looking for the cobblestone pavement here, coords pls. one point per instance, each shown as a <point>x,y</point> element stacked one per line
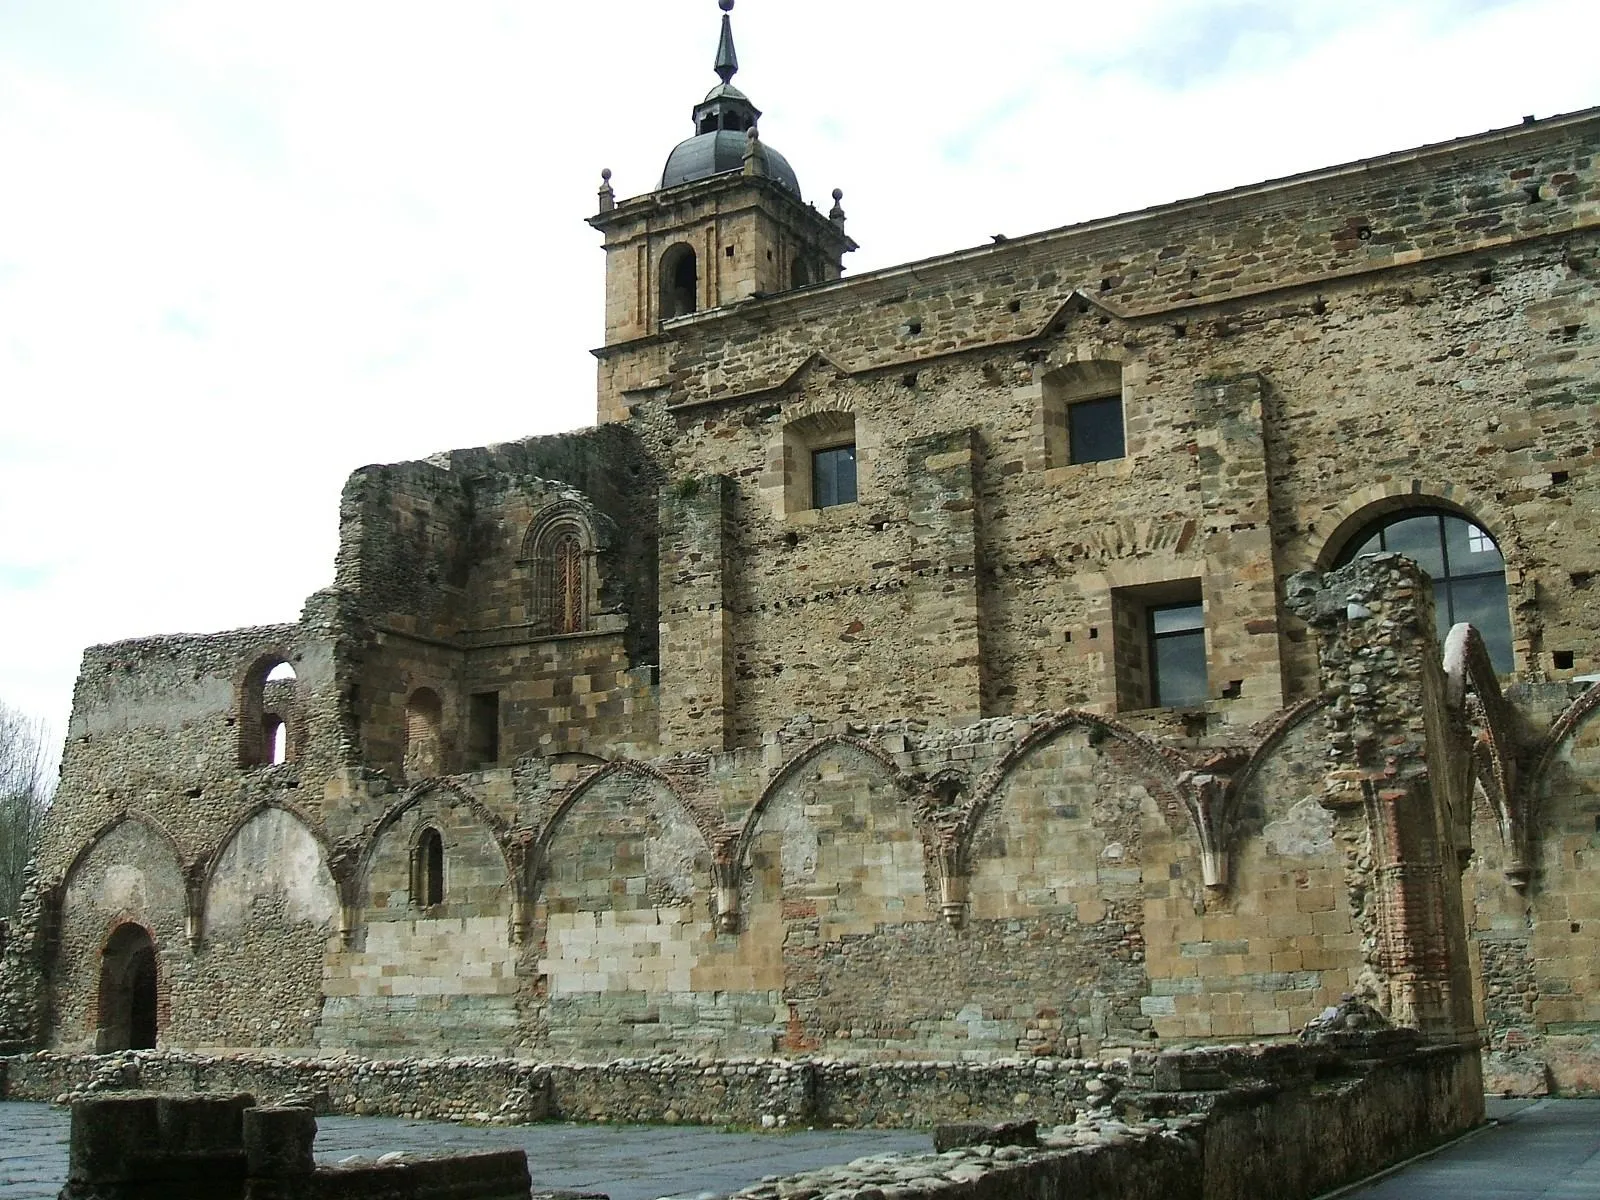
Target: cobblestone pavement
<point>1538,1148</point>
<point>1544,1148</point>
<point>625,1162</point>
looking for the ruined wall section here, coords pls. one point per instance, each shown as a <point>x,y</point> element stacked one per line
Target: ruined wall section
<point>155,728</point>
<point>443,559</point>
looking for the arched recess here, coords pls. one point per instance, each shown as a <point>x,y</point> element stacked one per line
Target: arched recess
<point>680,281</point>
<point>1160,768</point>
<point>445,795</point>
<point>622,875</point>
<point>267,711</point>
<point>130,872</point>
<point>561,547</point>
<point>273,861</point>
<point>128,995</point>
<point>448,970</point>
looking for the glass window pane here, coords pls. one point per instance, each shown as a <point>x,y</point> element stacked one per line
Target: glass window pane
<point>1179,669</point>
<point>1176,618</point>
<point>1482,602</point>
<point>833,477</point>
<point>1471,549</point>
<point>1418,539</point>
<point>1094,430</point>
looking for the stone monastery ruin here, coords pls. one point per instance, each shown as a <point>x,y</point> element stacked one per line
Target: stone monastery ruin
<point>1141,632</point>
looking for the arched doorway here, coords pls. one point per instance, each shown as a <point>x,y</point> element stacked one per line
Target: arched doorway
<point>127,991</point>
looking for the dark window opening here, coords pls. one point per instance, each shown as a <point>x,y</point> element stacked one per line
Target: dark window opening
<point>680,282</point>
<point>833,476</point>
<point>427,870</point>
<point>1094,430</point>
<point>799,273</point>
<point>483,733</point>
<point>1465,565</point>
<point>1562,659</point>
<point>1178,655</point>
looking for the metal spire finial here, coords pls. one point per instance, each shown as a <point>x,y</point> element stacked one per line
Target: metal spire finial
<point>727,61</point>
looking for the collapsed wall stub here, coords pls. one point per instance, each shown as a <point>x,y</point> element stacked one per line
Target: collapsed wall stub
<point>1394,785</point>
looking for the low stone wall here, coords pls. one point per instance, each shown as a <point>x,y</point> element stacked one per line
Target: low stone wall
<point>1285,1120</point>
<point>756,1092</point>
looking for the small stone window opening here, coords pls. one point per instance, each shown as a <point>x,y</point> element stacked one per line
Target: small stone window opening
<point>266,712</point>
<point>833,476</point>
<point>680,282</point>
<point>1094,430</point>
<point>427,870</point>
<point>1158,648</point>
<point>483,730</point>
<point>275,737</point>
<point>1080,414</point>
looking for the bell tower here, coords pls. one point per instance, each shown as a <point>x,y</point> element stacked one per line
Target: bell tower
<point>726,224</point>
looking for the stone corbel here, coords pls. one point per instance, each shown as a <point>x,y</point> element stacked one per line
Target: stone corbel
<point>194,889</point>
<point>952,862</point>
<point>1208,797</point>
<point>725,873</point>
<point>517,846</point>
<point>344,864</point>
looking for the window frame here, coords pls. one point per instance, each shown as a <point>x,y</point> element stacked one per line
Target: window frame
<point>1155,638</point>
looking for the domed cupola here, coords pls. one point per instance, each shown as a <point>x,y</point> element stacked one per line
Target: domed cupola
<point>723,122</point>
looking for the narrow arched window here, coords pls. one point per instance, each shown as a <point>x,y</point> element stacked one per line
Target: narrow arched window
<point>680,282</point>
<point>566,614</point>
<point>275,736</point>
<point>427,870</point>
<point>1462,560</point>
<point>267,713</point>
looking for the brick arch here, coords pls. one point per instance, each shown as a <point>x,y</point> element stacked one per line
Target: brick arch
<point>797,762</point>
<point>643,774</point>
<point>1159,766</point>
<point>249,685</point>
<point>1362,507</point>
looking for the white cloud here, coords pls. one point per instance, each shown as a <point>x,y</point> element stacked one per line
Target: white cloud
<point>249,248</point>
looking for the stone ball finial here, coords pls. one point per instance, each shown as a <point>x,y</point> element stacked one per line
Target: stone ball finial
<point>605,174</point>
<point>725,5</point>
<point>838,195</point>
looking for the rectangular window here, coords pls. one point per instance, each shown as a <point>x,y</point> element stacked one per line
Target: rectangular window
<point>833,476</point>
<point>1094,430</point>
<point>1178,655</point>
<point>483,729</point>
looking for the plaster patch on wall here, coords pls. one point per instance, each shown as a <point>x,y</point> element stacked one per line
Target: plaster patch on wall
<point>273,859</point>
<point>671,852</point>
<point>1305,831</point>
<point>124,889</point>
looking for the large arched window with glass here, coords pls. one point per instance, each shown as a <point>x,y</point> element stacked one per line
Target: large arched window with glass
<point>1462,560</point>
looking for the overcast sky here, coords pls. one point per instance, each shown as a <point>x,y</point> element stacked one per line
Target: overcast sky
<point>246,248</point>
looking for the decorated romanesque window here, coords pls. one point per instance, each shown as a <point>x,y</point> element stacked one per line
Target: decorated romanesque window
<point>559,550</point>
<point>567,598</point>
<point>1462,560</point>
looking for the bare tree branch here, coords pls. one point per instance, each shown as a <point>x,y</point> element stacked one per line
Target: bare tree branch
<point>27,782</point>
